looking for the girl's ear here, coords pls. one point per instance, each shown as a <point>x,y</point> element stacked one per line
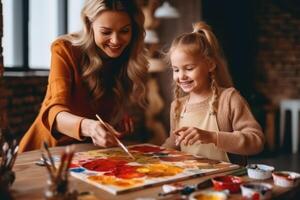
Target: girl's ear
<point>212,66</point>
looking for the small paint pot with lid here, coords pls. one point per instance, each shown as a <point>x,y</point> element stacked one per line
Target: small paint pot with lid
<point>255,190</point>
<point>227,182</point>
<point>286,178</point>
<point>259,171</point>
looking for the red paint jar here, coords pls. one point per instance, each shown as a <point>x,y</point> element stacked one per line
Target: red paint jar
<point>231,183</point>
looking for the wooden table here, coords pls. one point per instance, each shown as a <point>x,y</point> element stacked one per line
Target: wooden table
<point>31,179</point>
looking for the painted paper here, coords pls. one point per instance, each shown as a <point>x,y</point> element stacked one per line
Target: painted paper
<point>113,171</point>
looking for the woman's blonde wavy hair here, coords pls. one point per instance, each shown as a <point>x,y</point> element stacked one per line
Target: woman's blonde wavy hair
<point>130,81</point>
<point>203,43</point>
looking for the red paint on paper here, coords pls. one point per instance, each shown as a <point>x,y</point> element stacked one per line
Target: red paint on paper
<point>104,165</point>
<point>125,172</point>
<point>146,149</point>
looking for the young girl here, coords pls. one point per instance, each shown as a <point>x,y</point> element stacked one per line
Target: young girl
<point>93,71</point>
<point>208,116</point>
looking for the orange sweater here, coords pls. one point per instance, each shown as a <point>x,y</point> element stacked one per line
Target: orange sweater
<point>65,92</point>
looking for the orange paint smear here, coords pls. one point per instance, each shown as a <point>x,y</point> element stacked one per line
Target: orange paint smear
<point>110,180</point>
<point>160,170</point>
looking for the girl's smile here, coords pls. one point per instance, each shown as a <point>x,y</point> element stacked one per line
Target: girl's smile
<point>186,85</point>
<point>191,73</point>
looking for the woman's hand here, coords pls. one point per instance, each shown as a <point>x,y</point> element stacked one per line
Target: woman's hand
<point>126,125</point>
<point>99,134</point>
<point>191,135</point>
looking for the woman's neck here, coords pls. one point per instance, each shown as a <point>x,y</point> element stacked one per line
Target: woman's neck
<point>108,60</point>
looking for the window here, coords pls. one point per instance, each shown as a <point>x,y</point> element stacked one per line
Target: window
<point>30,26</point>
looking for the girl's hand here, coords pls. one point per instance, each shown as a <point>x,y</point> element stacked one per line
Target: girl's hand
<point>191,135</point>
<point>99,134</point>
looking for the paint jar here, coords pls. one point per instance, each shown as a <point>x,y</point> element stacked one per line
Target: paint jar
<point>286,178</point>
<point>208,195</point>
<point>59,190</point>
<point>259,171</point>
<point>227,182</point>
<point>7,177</point>
<point>255,190</point>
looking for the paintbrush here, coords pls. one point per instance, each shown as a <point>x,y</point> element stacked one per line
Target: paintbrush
<point>5,148</point>
<point>51,173</point>
<point>62,175</point>
<point>58,186</point>
<point>188,189</point>
<point>115,137</point>
<point>49,155</point>
<point>14,156</point>
<point>61,166</point>
<point>9,154</point>
<point>70,153</point>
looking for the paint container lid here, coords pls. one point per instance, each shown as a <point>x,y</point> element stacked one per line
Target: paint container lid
<point>286,178</point>
<point>203,195</point>
<point>227,182</point>
<point>259,171</point>
<point>255,190</point>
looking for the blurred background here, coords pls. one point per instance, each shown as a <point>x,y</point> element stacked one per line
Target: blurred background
<point>260,39</point>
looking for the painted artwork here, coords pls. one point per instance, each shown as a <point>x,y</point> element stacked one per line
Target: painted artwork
<point>114,171</point>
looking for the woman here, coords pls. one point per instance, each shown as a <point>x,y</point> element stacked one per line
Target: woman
<point>92,72</point>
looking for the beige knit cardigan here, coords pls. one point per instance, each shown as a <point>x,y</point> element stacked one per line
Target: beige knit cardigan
<point>240,134</point>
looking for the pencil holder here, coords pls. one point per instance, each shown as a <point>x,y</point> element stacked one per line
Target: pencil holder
<point>7,178</point>
<point>58,184</point>
<point>59,191</point>
<point>4,191</point>
<point>8,156</point>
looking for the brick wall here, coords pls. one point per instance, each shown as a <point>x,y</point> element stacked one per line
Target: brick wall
<point>277,66</point>
<point>21,98</point>
<point>278,50</point>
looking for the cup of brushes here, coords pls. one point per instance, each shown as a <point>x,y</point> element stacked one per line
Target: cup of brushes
<point>57,183</point>
<point>9,155</point>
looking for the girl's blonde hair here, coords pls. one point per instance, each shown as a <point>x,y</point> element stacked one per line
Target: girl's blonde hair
<point>203,43</point>
<point>129,81</point>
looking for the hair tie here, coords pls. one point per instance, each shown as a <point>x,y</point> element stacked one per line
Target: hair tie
<point>199,31</point>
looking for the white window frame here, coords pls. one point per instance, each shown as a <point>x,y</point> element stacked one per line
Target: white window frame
<point>26,43</point>
<point>12,32</point>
